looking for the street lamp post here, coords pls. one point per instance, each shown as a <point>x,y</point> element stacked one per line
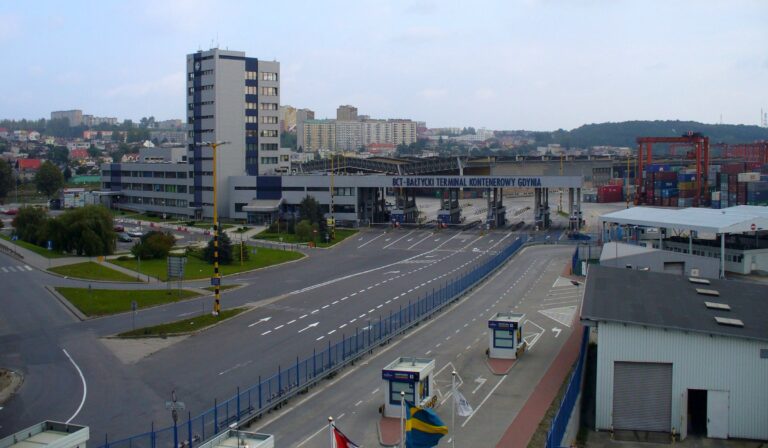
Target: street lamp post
<point>216,274</point>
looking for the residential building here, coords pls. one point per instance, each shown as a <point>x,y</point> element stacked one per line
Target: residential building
<point>232,98</point>
<point>74,116</point>
<point>319,134</point>
<point>348,135</point>
<point>302,116</point>
<point>678,355</point>
<point>27,168</point>
<point>346,113</point>
<point>174,124</point>
<point>90,120</point>
<point>169,137</point>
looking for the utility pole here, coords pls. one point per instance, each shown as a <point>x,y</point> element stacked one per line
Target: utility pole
<point>332,222</point>
<point>216,280</point>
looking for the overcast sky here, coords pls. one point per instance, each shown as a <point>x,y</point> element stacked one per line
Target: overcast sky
<point>538,65</point>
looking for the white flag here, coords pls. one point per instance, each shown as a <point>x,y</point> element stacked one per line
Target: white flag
<point>462,405</point>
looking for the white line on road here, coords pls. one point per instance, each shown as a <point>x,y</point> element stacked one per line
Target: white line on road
<point>371,240</point>
<point>417,242</point>
<point>331,332</point>
<point>325,306</point>
<point>359,403</point>
<point>483,402</point>
<point>374,391</point>
<point>279,327</point>
<point>342,326</point>
<point>324,428</point>
<point>302,317</point>
<point>393,242</point>
<point>85,386</point>
<point>321,337</point>
<point>266,332</point>
<point>290,322</point>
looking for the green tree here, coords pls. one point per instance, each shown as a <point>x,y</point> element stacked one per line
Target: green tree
<point>86,230</point>
<point>93,151</point>
<point>6,179</point>
<point>225,250</point>
<point>309,209</point>
<point>154,244</point>
<point>59,155</point>
<point>67,173</point>
<point>49,179</point>
<point>305,230</point>
<point>29,223</point>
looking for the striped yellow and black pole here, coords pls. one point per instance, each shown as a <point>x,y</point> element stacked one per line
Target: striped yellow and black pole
<point>216,280</point>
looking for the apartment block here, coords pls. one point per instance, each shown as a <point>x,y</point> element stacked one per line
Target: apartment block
<point>74,116</point>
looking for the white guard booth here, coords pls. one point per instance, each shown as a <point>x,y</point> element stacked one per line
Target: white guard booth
<point>412,376</point>
<point>505,339</point>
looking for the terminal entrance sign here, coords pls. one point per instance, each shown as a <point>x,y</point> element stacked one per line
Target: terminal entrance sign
<point>484,181</point>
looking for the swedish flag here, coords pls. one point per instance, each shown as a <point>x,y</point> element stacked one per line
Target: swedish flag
<point>423,428</point>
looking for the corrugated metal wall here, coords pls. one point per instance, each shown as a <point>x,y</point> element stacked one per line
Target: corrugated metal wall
<point>699,362</point>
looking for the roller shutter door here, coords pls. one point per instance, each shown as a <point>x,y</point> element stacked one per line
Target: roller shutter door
<point>642,396</point>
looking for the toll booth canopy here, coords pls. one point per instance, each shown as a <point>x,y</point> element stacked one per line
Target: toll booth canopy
<point>506,335</point>
<point>410,375</point>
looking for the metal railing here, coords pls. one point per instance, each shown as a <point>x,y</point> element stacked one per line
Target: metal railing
<point>562,417</point>
<point>297,377</point>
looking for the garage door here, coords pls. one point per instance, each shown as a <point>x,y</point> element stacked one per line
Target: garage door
<point>642,396</point>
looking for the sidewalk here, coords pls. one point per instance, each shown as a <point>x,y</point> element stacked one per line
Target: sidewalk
<point>519,433</point>
<point>38,261</point>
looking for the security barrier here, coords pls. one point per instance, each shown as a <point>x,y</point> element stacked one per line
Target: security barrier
<point>564,412</point>
<point>289,380</point>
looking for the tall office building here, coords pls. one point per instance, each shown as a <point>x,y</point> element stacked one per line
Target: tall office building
<point>232,98</point>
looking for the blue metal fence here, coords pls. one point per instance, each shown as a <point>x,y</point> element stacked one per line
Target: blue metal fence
<point>292,379</point>
<point>563,415</point>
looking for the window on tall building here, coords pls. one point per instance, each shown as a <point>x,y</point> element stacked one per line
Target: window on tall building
<point>251,134</point>
<point>251,105</point>
<point>269,160</point>
<point>266,76</point>
<point>251,75</point>
<point>269,146</point>
<point>251,90</point>
<point>269,120</point>
<point>251,119</point>
<point>269,91</point>
<point>268,106</point>
<point>269,133</point>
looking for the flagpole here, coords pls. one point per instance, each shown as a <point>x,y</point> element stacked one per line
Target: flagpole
<point>402,419</point>
<point>330,431</point>
<point>453,409</point>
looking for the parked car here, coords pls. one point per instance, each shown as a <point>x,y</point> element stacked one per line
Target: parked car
<point>119,228</point>
<point>11,211</point>
<point>136,233</point>
<point>124,237</point>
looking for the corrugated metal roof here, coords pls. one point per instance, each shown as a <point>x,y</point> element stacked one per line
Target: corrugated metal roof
<point>670,301</point>
<point>728,220</point>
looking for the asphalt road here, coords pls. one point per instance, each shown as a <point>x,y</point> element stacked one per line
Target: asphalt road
<point>457,339</point>
<point>313,301</point>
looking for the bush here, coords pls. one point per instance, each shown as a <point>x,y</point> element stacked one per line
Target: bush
<point>225,250</point>
<point>124,258</point>
<point>305,231</point>
<point>154,244</point>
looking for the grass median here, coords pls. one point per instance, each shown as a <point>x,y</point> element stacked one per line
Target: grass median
<point>35,248</point>
<point>197,268</point>
<point>182,326</point>
<point>90,270</point>
<point>103,302</point>
<point>290,238</point>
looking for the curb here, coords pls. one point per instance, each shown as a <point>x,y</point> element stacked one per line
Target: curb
<point>186,333</point>
<point>67,304</point>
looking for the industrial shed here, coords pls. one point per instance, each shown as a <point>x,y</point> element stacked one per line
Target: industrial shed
<point>679,355</point>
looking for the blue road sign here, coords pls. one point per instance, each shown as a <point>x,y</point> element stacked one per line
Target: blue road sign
<point>50,245</point>
<point>215,281</point>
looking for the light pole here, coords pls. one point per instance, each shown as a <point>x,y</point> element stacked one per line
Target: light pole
<point>216,280</point>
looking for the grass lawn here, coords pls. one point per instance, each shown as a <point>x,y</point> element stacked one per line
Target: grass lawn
<point>101,302</point>
<point>183,326</point>
<point>341,235</point>
<point>222,287</point>
<point>197,268</point>
<point>92,271</point>
<point>35,248</point>
<point>141,217</point>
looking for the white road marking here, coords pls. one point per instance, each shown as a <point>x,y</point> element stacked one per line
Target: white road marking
<point>359,403</point>
<point>27,267</point>
<point>342,326</point>
<point>325,306</point>
<point>265,319</point>
<point>302,317</point>
<point>335,302</point>
<point>480,381</point>
<point>321,337</point>
<point>483,402</point>
<point>85,386</point>
<point>331,332</point>
<point>393,242</point>
<point>371,240</point>
<point>374,391</point>
<point>279,327</point>
<point>417,242</point>
<point>352,321</point>
<point>266,332</point>
<point>290,322</point>
<point>236,366</point>
<point>314,311</point>
<point>309,326</point>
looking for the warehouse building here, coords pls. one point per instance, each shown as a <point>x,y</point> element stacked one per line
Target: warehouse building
<point>679,355</point>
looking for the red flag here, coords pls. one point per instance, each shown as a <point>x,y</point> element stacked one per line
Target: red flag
<point>342,441</point>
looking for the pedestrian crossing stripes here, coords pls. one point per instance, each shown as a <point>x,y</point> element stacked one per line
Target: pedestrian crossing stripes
<point>17,268</point>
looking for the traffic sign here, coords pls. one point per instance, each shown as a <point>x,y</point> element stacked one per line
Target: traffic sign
<point>175,405</point>
<point>134,305</point>
<point>215,281</point>
<point>753,226</point>
<point>50,243</point>
<point>176,267</point>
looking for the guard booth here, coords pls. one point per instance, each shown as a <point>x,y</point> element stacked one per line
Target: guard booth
<point>412,376</point>
<point>506,335</point>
